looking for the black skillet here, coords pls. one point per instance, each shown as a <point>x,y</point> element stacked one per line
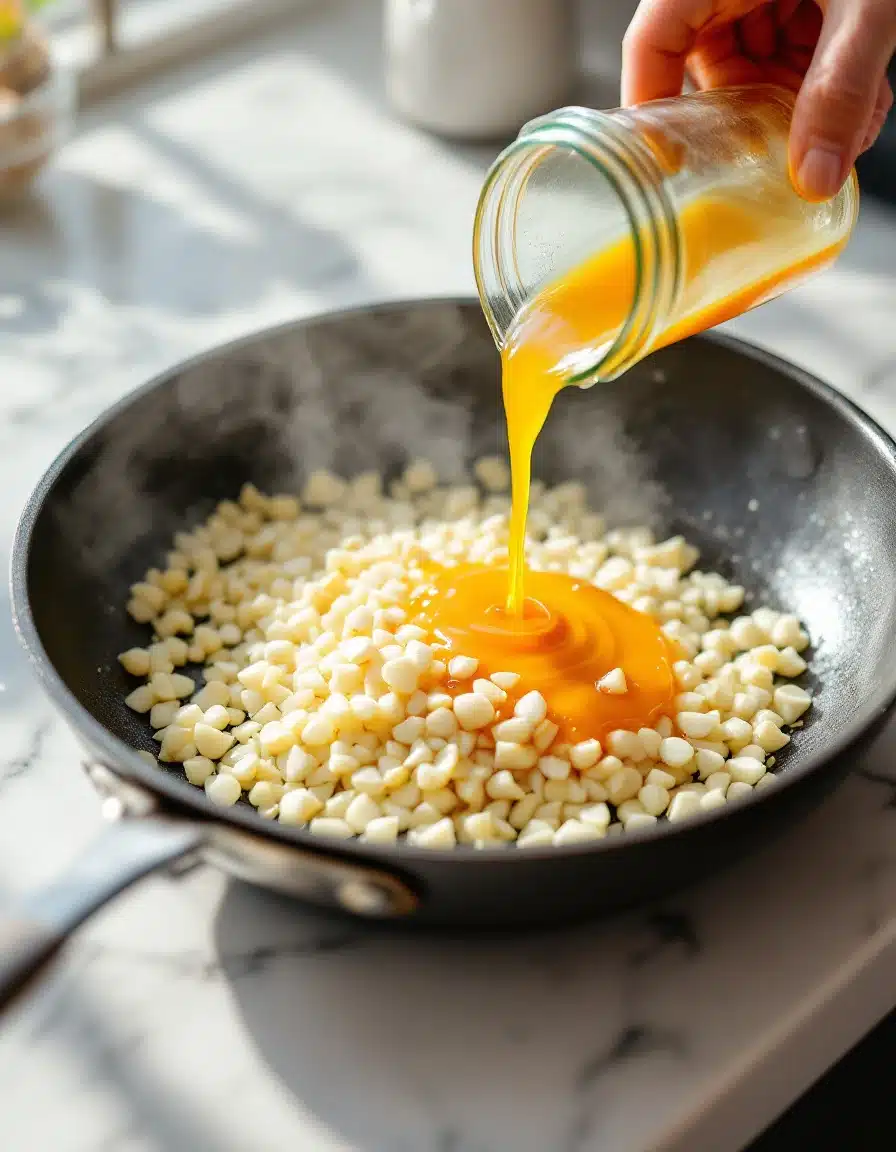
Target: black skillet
<point>781,482</point>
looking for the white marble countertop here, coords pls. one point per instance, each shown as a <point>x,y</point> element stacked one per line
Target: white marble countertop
<point>199,1014</point>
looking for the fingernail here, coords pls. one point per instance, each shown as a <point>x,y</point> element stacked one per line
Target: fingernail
<point>818,177</point>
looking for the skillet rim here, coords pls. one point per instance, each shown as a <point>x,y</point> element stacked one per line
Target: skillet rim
<point>124,760</point>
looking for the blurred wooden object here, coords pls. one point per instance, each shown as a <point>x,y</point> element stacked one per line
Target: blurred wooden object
<point>105,14</point>
<point>25,62</point>
<point>26,122</point>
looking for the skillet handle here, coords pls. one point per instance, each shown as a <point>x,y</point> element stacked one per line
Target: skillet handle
<point>122,854</point>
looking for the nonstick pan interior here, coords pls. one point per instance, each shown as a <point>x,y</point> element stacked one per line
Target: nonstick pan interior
<point>782,485</point>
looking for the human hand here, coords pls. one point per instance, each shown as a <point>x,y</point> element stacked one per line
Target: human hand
<point>832,53</point>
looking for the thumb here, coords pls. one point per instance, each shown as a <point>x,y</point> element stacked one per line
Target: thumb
<point>837,99</point>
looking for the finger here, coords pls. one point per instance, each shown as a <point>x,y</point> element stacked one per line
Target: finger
<point>655,47</point>
<point>803,27</point>
<point>727,73</point>
<point>758,34</point>
<point>660,37</point>
<point>717,61</point>
<point>797,59</point>
<point>836,101</point>
<point>784,9</point>
<point>878,116</point>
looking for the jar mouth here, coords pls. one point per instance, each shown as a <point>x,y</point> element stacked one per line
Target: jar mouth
<point>572,186</point>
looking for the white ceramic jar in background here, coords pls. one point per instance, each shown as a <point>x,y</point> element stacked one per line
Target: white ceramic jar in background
<point>479,69</point>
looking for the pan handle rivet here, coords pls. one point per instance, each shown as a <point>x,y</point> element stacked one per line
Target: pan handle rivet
<point>364,898</point>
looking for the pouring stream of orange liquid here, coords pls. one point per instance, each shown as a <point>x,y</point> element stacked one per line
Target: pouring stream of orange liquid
<point>560,633</point>
<point>589,305</point>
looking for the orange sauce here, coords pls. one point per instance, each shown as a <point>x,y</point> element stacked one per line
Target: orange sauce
<point>559,633</point>
<point>587,307</point>
<point>568,637</point>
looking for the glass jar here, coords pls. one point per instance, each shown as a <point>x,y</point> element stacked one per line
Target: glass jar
<point>693,198</point>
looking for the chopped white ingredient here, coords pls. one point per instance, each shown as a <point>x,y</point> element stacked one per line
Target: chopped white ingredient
<point>746,770</point>
<point>596,814</point>
<point>614,683</point>
<point>491,691</point>
<point>536,834</point>
<point>624,784</point>
<point>323,489</point>
<point>382,830</point>
<point>136,661</point>
<point>660,778</point>
<point>790,663</point>
<point>640,820</point>
<point>514,757</point>
<point>770,737</point>
<point>654,799</point>
<point>791,702</point>
<point>576,832</point>
<point>585,754</point>
<point>299,806</point>
<point>737,732</point>
<point>503,786</point>
<point>420,476</point>
<point>708,762</point>
<point>210,742</point>
<point>141,699</point>
<point>676,752</point>
<point>626,745</point>
<point>515,730</point>
<point>492,473</point>
<point>711,799</point>
<point>532,707</point>
<point>554,767</point>
<point>401,675</point>
<point>327,705</point>
<point>331,827</point>
<point>697,725</point>
<point>198,769</point>
<point>684,804</point>
<point>360,812</point>
<point>473,711</point>
<point>222,790</point>
<point>462,667</point>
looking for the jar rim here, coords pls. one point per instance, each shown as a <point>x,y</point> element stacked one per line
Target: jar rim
<point>634,178</point>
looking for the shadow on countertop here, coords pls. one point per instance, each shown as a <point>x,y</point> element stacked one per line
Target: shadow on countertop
<point>444,1043</point>
<point>563,1041</point>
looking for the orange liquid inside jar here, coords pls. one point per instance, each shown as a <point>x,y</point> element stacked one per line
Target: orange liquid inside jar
<point>599,238</point>
<point>727,271</point>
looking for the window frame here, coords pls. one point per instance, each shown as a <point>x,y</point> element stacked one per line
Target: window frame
<point>93,37</point>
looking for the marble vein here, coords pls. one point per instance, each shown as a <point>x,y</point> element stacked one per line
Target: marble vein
<point>16,766</point>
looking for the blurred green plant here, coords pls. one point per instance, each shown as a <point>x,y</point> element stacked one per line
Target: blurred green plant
<point>14,16</point>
